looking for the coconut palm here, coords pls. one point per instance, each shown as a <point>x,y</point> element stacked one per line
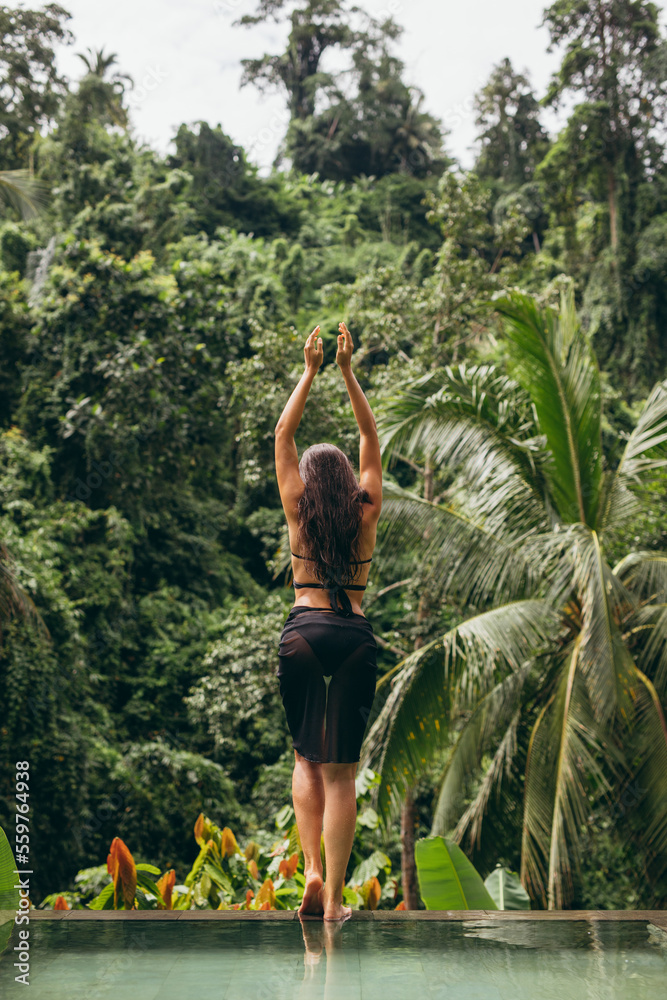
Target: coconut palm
<point>97,64</point>
<point>560,674</point>
<point>104,94</point>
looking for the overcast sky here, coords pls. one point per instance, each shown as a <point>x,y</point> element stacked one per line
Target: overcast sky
<point>185,59</point>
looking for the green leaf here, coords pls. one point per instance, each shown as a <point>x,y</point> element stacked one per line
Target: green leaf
<point>452,671</point>
<point>105,899</point>
<point>506,890</point>
<point>9,896</point>
<point>148,868</point>
<point>218,877</point>
<point>284,817</point>
<point>148,884</point>
<point>447,879</point>
<point>369,867</point>
<point>553,360</point>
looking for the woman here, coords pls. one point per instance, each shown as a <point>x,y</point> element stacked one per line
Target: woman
<point>327,655</point>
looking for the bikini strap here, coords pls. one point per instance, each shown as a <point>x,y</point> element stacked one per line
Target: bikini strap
<point>355,562</point>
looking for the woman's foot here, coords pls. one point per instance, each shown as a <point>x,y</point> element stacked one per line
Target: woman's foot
<point>312,896</point>
<point>335,910</point>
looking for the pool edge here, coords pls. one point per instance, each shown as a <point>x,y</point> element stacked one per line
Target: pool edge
<point>656,917</point>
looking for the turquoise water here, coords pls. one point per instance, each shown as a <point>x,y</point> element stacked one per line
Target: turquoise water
<point>358,960</point>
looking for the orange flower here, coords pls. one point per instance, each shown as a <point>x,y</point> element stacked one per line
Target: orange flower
<point>288,866</point>
<point>229,845</point>
<point>248,896</point>
<point>253,869</point>
<point>61,904</point>
<point>120,865</point>
<point>401,906</point>
<point>199,830</point>
<point>370,892</point>
<point>266,895</point>
<point>166,886</point>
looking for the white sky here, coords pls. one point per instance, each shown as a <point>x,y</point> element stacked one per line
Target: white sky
<point>185,59</point>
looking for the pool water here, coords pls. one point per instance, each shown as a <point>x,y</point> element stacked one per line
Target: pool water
<point>358,960</point>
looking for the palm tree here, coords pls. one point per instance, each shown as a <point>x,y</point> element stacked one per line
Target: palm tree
<point>97,64</point>
<point>560,674</point>
<point>105,96</point>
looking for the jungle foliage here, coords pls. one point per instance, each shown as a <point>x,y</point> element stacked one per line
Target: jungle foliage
<point>152,317</point>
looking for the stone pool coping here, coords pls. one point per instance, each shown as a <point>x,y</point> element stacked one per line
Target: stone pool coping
<point>656,917</point>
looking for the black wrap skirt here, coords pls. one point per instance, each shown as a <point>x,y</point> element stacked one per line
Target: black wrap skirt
<point>327,669</point>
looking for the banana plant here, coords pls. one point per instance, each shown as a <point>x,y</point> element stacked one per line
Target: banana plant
<point>447,879</point>
<point>9,894</point>
<point>549,696</point>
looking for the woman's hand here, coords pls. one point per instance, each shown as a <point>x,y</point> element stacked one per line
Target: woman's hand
<point>313,352</point>
<point>345,347</point>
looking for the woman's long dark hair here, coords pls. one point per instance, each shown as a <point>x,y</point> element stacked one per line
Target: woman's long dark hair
<point>329,514</point>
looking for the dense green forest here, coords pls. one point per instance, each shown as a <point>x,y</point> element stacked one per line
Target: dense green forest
<point>510,324</point>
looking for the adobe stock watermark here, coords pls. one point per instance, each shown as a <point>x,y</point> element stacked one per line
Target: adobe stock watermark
<point>222,7</point>
<point>153,78</point>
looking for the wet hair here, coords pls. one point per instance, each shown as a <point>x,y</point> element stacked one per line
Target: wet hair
<point>329,514</point>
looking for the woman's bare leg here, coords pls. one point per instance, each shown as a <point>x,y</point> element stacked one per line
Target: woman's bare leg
<point>308,798</point>
<point>340,817</point>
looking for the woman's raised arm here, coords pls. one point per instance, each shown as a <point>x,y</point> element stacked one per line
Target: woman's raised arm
<point>370,458</point>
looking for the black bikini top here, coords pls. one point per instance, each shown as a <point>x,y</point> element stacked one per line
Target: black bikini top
<point>336,589</point>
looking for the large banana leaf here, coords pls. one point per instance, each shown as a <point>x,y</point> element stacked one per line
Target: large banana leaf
<point>506,890</point>
<point>9,896</point>
<point>447,879</point>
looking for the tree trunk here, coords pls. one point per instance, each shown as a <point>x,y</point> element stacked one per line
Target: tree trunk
<point>408,867</point>
<point>408,813</point>
<point>612,209</point>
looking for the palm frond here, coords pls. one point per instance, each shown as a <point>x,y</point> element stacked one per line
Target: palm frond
<point>651,654</point>
<point>604,659</point>
<point>553,361</point>
<point>448,674</point>
<point>27,194</point>
<point>645,452</point>
<point>562,758</point>
<point>492,712</point>
<point>649,740</point>
<point>501,763</point>
<point>469,416</point>
<point>645,574</point>
<point>455,549</point>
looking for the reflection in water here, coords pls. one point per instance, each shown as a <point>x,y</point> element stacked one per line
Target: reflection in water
<point>363,958</point>
<point>341,966</point>
<point>447,960</point>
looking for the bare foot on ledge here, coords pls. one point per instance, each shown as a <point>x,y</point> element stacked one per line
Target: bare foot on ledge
<point>312,904</point>
<point>336,911</point>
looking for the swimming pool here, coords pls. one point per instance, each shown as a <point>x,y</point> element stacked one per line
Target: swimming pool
<point>206,955</point>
